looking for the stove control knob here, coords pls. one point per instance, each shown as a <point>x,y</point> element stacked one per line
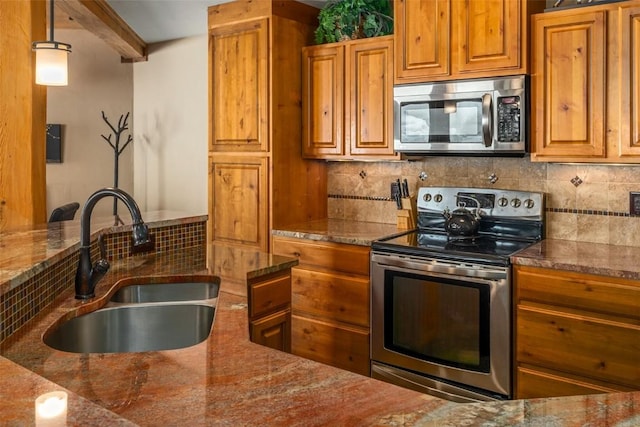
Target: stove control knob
<point>516,202</point>
<point>437,198</point>
<point>529,204</point>
<point>502,202</point>
<point>427,197</point>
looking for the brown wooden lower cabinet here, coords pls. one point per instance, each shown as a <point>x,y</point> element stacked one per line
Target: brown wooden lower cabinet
<point>329,302</point>
<point>269,305</point>
<point>575,333</point>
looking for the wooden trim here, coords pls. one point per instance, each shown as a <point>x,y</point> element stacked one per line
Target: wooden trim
<point>100,19</point>
<point>246,10</point>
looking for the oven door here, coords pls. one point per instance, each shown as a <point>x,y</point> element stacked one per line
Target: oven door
<point>448,321</point>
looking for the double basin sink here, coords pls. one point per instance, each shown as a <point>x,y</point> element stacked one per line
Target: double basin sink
<point>144,316</point>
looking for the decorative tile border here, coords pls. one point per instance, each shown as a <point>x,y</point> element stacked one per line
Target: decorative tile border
<point>590,212</point>
<point>348,197</point>
<point>24,302</point>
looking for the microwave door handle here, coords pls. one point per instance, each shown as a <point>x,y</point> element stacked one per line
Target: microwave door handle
<point>487,119</point>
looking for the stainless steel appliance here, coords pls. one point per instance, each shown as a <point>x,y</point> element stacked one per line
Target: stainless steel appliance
<point>481,117</point>
<point>441,301</point>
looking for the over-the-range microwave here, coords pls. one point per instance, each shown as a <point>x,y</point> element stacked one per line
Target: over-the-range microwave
<point>477,117</point>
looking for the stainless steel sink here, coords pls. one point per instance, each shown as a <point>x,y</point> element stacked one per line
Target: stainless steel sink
<point>134,328</point>
<point>164,292</point>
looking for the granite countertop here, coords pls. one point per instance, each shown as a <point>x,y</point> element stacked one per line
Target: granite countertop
<point>582,257</point>
<point>228,380</point>
<point>339,231</point>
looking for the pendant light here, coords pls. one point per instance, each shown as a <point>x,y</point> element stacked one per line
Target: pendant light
<point>51,58</point>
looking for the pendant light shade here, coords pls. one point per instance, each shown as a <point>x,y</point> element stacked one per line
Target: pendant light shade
<point>51,58</point>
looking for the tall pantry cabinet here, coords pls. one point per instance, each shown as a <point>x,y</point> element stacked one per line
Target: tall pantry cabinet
<point>257,177</point>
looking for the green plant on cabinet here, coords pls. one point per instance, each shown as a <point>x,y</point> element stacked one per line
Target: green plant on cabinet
<point>341,20</point>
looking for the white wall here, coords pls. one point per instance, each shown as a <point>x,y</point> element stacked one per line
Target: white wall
<point>171,126</point>
<point>98,81</point>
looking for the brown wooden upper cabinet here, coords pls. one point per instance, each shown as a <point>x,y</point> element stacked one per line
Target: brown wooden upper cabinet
<point>460,39</point>
<point>348,100</point>
<point>586,84</point>
<point>239,95</point>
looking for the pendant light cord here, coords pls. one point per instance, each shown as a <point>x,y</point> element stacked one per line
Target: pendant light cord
<point>51,20</point>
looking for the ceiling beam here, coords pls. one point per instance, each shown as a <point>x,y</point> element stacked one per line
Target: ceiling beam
<point>100,19</point>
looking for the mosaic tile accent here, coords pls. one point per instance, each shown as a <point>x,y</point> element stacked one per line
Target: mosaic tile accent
<point>118,245</point>
<point>22,303</point>
<point>19,305</point>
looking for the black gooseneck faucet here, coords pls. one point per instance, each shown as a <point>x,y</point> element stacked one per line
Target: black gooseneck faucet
<point>87,274</point>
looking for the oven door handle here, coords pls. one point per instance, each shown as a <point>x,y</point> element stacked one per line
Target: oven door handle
<point>421,266</point>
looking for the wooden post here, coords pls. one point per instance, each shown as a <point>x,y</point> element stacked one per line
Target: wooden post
<point>22,116</point>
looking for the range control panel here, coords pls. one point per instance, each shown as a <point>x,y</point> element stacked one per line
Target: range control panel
<point>492,202</point>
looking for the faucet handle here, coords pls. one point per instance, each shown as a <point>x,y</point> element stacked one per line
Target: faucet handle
<point>101,266</point>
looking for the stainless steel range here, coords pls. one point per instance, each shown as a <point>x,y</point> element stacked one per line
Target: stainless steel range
<point>441,294</point>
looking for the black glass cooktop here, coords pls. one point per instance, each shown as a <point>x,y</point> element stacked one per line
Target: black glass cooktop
<point>440,245</point>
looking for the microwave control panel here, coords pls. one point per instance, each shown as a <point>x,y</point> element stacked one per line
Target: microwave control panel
<point>509,119</point>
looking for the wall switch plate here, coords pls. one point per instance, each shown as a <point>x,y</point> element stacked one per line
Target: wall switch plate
<point>634,203</point>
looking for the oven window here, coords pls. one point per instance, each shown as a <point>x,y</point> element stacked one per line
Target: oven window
<point>438,320</point>
<point>442,121</point>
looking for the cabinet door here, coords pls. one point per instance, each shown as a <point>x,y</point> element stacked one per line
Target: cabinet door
<point>323,101</point>
<point>422,33</point>
<point>369,116</point>
<point>273,331</point>
<point>628,65</point>
<point>568,86</point>
<point>487,35</point>
<point>331,343</point>
<point>239,116</point>
<point>238,200</point>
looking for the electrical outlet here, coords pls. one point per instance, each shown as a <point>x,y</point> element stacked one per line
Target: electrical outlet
<point>634,203</point>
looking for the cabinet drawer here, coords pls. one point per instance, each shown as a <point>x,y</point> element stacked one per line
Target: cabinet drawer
<point>599,294</point>
<point>533,383</point>
<point>273,331</point>
<point>327,255</point>
<point>331,296</point>
<point>342,347</point>
<point>595,348</point>
<point>268,295</point>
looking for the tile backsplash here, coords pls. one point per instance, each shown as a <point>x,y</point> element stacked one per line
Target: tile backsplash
<point>584,202</point>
